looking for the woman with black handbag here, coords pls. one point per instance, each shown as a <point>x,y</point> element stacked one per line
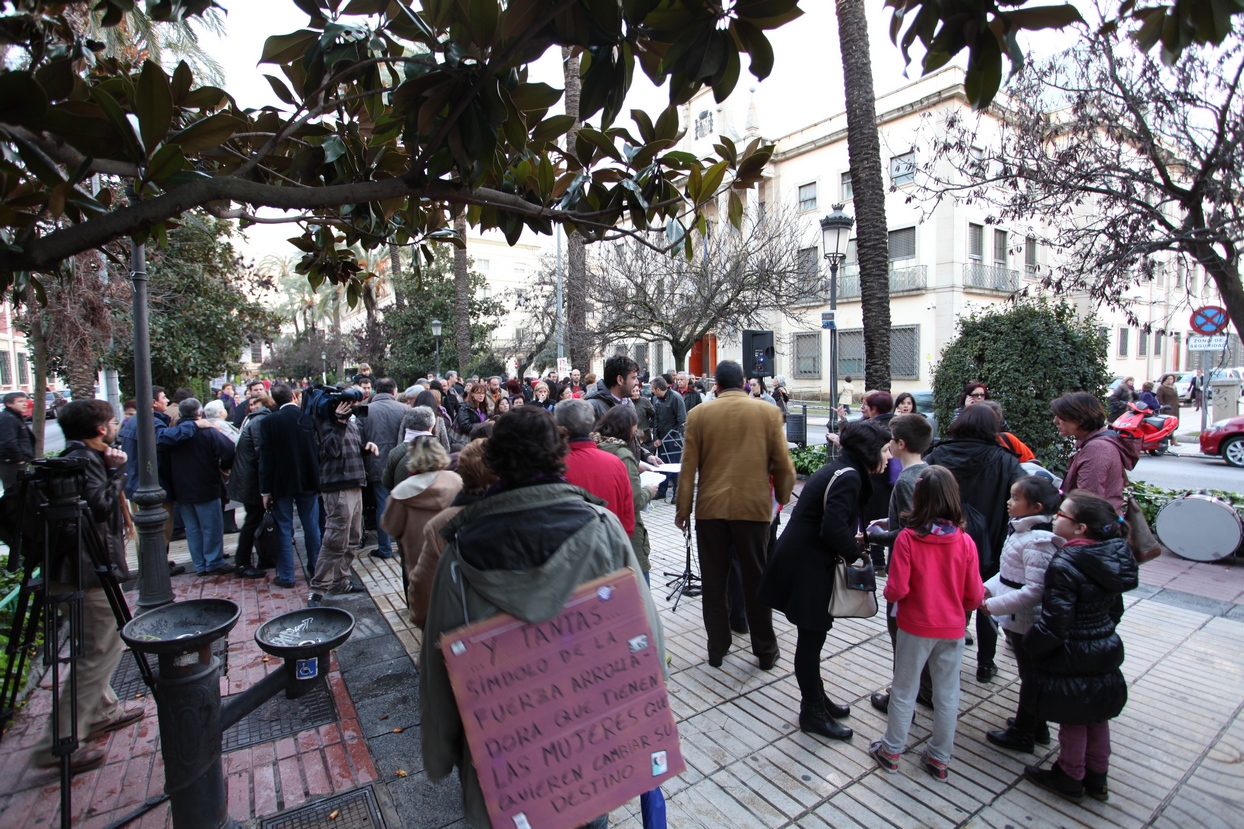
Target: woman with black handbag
<point>799,580</point>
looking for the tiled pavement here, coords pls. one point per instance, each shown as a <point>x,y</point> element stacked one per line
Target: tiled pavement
<point>1178,745</point>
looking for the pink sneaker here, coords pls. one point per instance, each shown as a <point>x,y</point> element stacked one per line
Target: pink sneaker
<point>935,767</point>
<point>887,761</point>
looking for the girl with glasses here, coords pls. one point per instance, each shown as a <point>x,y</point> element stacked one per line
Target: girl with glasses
<point>1074,647</point>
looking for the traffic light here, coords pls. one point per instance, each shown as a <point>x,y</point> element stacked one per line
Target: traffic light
<point>758,353</point>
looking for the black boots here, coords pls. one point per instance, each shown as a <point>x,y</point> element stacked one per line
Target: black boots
<point>815,718</point>
<point>1095,785</point>
<point>1055,780</point>
<point>1013,739</point>
<point>835,710</point>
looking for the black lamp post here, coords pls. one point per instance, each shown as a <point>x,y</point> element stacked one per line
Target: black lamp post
<point>323,366</point>
<point>436,334</point>
<point>835,235</point>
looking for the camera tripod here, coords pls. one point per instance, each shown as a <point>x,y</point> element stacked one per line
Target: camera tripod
<point>63,520</point>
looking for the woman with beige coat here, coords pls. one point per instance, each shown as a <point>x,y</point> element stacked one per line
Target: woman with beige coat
<point>412,503</point>
<point>476,478</point>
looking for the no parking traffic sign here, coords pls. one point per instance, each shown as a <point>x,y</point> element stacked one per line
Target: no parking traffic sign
<point>1210,319</point>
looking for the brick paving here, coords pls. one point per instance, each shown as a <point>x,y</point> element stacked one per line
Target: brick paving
<point>1178,745</point>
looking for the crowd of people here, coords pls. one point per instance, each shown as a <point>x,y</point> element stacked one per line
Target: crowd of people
<point>455,467</point>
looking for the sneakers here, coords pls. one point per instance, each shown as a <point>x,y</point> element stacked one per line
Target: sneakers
<point>887,761</point>
<point>935,767</point>
<point>986,672</point>
<point>350,587</point>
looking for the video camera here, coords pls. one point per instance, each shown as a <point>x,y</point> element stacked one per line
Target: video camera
<point>322,401</point>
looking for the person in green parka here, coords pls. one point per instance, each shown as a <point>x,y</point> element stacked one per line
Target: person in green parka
<point>617,433</point>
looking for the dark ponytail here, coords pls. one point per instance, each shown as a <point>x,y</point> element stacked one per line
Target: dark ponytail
<point>1097,514</point>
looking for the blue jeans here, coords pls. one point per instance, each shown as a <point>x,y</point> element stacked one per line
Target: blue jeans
<point>205,534</point>
<point>384,544</point>
<point>309,514</point>
<point>668,452</point>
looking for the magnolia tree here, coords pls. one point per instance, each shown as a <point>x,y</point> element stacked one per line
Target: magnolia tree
<point>396,117</point>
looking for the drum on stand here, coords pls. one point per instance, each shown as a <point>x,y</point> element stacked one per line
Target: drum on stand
<point>1199,527</point>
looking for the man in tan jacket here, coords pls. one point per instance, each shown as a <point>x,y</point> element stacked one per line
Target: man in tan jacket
<point>736,452</point>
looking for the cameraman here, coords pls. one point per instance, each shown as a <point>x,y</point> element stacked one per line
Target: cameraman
<point>343,474</point>
<point>90,430</point>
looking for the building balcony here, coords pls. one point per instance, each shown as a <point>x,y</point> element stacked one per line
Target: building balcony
<point>908,279</point>
<point>977,276</point>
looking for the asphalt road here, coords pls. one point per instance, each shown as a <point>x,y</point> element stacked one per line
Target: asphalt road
<point>1189,472</point>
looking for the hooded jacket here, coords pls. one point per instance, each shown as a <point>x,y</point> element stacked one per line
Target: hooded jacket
<point>1100,465</point>
<point>1025,557</point>
<point>600,397</point>
<point>984,472</point>
<point>1076,651</point>
<point>412,503</point>
<point>497,560</point>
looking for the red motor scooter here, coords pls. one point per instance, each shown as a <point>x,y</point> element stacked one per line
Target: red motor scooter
<point>1152,430</point>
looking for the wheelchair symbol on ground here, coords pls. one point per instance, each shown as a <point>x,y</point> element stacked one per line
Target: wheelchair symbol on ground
<point>1210,319</point>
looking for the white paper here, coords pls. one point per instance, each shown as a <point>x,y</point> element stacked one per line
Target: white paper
<point>651,479</point>
<point>668,468</point>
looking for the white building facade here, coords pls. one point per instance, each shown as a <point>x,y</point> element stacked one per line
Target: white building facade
<point>947,257</point>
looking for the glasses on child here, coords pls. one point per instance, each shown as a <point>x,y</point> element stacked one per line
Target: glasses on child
<point>1070,518</point>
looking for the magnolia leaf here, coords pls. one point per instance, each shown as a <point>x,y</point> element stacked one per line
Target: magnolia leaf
<point>153,104</point>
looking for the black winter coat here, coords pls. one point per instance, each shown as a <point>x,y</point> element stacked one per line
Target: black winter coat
<point>1076,652</point>
<point>799,579</point>
<point>984,472</point>
<point>243,485</point>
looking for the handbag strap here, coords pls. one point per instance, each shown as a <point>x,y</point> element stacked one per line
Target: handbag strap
<point>825,498</point>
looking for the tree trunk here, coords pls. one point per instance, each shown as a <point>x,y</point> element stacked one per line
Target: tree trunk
<point>864,149</point>
<point>341,352</point>
<point>39,383</point>
<point>395,269</point>
<point>462,298</point>
<point>577,342</point>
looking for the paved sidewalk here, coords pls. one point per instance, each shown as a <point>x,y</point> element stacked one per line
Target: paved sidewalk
<point>1177,745</point>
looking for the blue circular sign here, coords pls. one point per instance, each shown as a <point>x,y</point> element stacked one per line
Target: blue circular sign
<point>1210,319</point>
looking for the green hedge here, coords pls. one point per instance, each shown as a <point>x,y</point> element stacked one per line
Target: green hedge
<point>1026,354</point>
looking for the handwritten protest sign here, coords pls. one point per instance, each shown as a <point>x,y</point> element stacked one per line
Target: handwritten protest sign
<point>566,719</point>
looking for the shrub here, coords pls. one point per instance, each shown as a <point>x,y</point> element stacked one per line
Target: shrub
<point>1026,354</point>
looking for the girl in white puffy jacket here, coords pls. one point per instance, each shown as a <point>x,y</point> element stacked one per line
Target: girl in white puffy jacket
<point>1014,595</point>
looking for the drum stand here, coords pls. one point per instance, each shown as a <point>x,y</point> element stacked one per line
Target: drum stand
<point>686,583</point>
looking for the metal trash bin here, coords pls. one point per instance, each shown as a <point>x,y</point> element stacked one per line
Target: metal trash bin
<point>797,429</point>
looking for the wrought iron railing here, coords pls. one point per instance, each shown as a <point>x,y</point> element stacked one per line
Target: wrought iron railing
<point>990,277</point>
<point>910,278</point>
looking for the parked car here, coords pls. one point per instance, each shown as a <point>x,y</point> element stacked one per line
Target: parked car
<point>54,402</point>
<point>1225,439</point>
<point>924,405</point>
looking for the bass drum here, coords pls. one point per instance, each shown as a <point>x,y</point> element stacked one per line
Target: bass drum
<point>1199,527</point>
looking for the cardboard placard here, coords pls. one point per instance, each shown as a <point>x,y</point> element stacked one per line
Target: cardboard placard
<point>568,719</point>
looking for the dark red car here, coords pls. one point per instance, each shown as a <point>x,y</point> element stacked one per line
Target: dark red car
<point>1225,439</point>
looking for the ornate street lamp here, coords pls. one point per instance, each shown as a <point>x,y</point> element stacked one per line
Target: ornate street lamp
<point>835,235</point>
<point>436,333</point>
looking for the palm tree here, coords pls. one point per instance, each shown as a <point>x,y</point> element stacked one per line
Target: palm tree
<point>462,296</point>
<point>137,38</point>
<point>868,188</point>
<point>576,248</point>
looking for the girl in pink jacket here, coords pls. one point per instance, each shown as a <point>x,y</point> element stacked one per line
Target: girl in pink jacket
<point>934,580</point>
